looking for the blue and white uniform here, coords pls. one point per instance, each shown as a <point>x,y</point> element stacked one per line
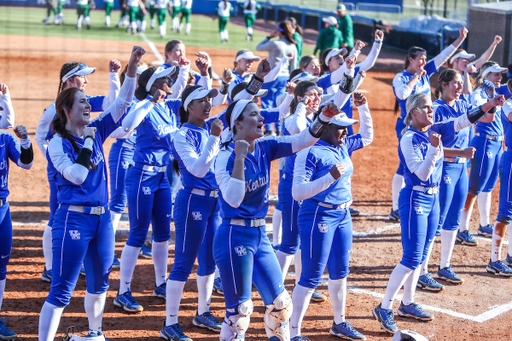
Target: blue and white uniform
<point>505,167</point>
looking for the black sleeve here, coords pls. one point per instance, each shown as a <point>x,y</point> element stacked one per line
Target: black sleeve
<point>27,155</point>
<point>84,158</point>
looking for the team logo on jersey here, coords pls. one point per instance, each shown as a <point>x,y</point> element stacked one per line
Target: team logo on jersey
<point>146,190</point>
<point>164,129</point>
<point>98,157</point>
<point>74,234</point>
<point>197,215</point>
<point>322,227</point>
<point>3,164</point>
<point>418,209</point>
<point>125,164</point>
<point>447,179</point>
<point>489,155</point>
<point>240,250</point>
<point>253,185</point>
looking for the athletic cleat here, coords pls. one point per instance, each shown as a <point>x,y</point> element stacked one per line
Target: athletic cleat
<point>449,275</point>
<point>345,331</point>
<point>46,276</point>
<point>428,283</point>
<point>299,338</point>
<point>217,286</point>
<point>394,215</point>
<point>127,302</point>
<point>415,311</point>
<point>174,333</point>
<point>318,297</point>
<point>145,252</point>
<point>160,290</point>
<point>207,321</point>
<point>466,238</point>
<point>354,213</point>
<point>485,231</point>
<point>499,268</point>
<point>508,260</point>
<point>116,264</point>
<point>6,333</point>
<point>386,317</point>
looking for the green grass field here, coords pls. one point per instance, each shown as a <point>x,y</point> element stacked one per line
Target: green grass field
<point>29,21</point>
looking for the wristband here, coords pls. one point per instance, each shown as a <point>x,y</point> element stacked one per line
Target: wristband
<point>317,127</point>
<point>224,87</point>
<point>477,113</point>
<point>89,137</point>
<point>254,85</point>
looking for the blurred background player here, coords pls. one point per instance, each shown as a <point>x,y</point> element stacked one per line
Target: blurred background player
<point>51,6</point>
<point>329,37</point>
<point>251,8</point>
<point>176,9</point>
<point>82,11</point>
<point>224,10</point>
<point>161,12</point>
<point>186,11</point>
<point>346,27</point>
<point>109,4</point>
<point>297,36</point>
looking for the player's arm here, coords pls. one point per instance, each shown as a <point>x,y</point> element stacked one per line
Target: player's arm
<point>7,117</point>
<point>26,152</point>
<point>305,166</point>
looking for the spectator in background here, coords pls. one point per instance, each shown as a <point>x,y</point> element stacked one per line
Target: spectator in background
<point>297,36</point>
<point>346,27</point>
<point>330,36</point>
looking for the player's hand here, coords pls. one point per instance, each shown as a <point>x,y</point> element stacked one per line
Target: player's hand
<point>202,65</point>
<point>89,132</point>
<point>351,62</point>
<point>379,35</point>
<point>359,45</point>
<point>290,88</point>
<point>463,33</point>
<point>363,74</point>
<point>217,127</point>
<point>158,96</point>
<point>204,55</point>
<point>497,40</point>
<point>359,99</point>
<point>497,100</point>
<point>21,132</point>
<point>137,53</point>
<point>421,72</point>
<point>4,90</point>
<point>468,153</point>
<point>227,75</point>
<point>471,68</point>
<point>263,68</point>
<point>289,56</point>
<point>337,171</point>
<point>241,148</point>
<point>183,62</point>
<point>488,87</point>
<point>330,110</point>
<point>434,138</point>
<point>114,66</point>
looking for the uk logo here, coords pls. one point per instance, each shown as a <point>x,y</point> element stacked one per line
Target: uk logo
<point>146,190</point>
<point>489,155</point>
<point>74,234</point>
<point>240,250</point>
<point>447,179</point>
<point>125,164</point>
<point>197,215</point>
<point>418,209</point>
<point>322,227</point>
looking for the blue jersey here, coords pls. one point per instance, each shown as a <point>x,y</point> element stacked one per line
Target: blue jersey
<point>507,125</point>
<point>324,82</point>
<point>444,112</point>
<point>94,190</point>
<point>421,86</point>
<point>495,128</point>
<point>130,140</point>
<point>155,133</point>
<point>9,149</point>
<point>289,162</point>
<point>318,161</point>
<point>194,139</point>
<point>257,176</point>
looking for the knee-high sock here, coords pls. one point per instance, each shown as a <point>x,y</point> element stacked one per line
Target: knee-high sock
<point>249,30</point>
<point>187,29</point>
<point>173,293</point>
<point>47,247</point>
<point>277,218</point>
<point>115,217</point>
<point>338,294</point>
<point>2,290</point>
<point>510,240</point>
<point>410,287</point>
<point>396,281</point>
<point>496,246</point>
<point>297,263</point>
<point>396,186</point>
<point>465,218</point>
<point>284,259</point>
<point>447,244</point>
<point>160,252</point>
<point>204,293</point>
<point>226,34</point>
<point>94,305</point>
<point>221,34</point>
<point>301,297</point>
<point>128,261</point>
<point>49,320</point>
<point>161,29</point>
<point>87,20</point>
<point>180,27</point>
<point>484,207</point>
<point>424,266</point>
<point>79,23</point>
<point>143,25</point>
<point>107,20</point>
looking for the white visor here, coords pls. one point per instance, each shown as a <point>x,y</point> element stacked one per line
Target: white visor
<point>198,94</point>
<point>330,20</point>
<point>335,52</point>
<point>237,111</point>
<point>159,73</point>
<point>402,334</point>
<point>304,76</point>
<point>494,68</point>
<point>342,120</point>
<point>141,69</point>
<point>80,70</point>
<point>248,55</point>
<point>261,93</point>
<point>463,55</point>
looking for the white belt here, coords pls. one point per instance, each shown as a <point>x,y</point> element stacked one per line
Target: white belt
<point>96,210</point>
<point>155,169</point>
<point>202,192</point>
<point>3,202</point>
<point>250,222</point>
<point>128,145</point>
<point>426,190</point>
<point>505,148</point>
<point>455,160</point>
<point>338,207</point>
<point>491,137</point>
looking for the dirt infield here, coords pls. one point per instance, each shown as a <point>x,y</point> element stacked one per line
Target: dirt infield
<point>477,310</point>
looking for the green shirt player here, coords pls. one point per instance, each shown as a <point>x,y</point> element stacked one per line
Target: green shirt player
<point>176,9</point>
<point>152,9</point>
<point>82,11</point>
<point>186,11</point>
<point>60,15</point>
<point>161,13</point>
<point>133,8</point>
<point>251,8</point>
<point>224,10</point>
<point>52,7</point>
<point>109,4</point>
<point>346,27</point>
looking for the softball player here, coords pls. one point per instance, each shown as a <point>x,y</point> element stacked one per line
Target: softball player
<point>109,5</point>
<point>297,36</point>
<point>242,250</point>
<point>7,118</point>
<point>251,8</point>
<point>82,11</point>
<point>72,74</point>
<point>52,7</point>
<point>133,8</point>
<point>82,230</point>
<point>186,12</point>
<point>161,13</point>
<point>415,79</point>
<point>60,15</point>
<point>224,10</point>
<point>176,9</point>
<point>422,158</point>
<point>152,4</point>
<point>488,141</point>
<point>149,195</point>
<point>310,64</point>
<point>196,216</point>
<point>322,179</point>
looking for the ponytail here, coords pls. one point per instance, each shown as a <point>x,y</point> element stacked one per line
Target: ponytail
<point>63,71</point>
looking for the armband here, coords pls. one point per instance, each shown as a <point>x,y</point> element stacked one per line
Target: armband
<point>254,85</point>
<point>84,158</point>
<point>224,87</point>
<point>346,84</point>
<point>477,113</point>
<point>317,127</point>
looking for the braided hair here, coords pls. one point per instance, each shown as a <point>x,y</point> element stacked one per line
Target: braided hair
<point>63,71</point>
